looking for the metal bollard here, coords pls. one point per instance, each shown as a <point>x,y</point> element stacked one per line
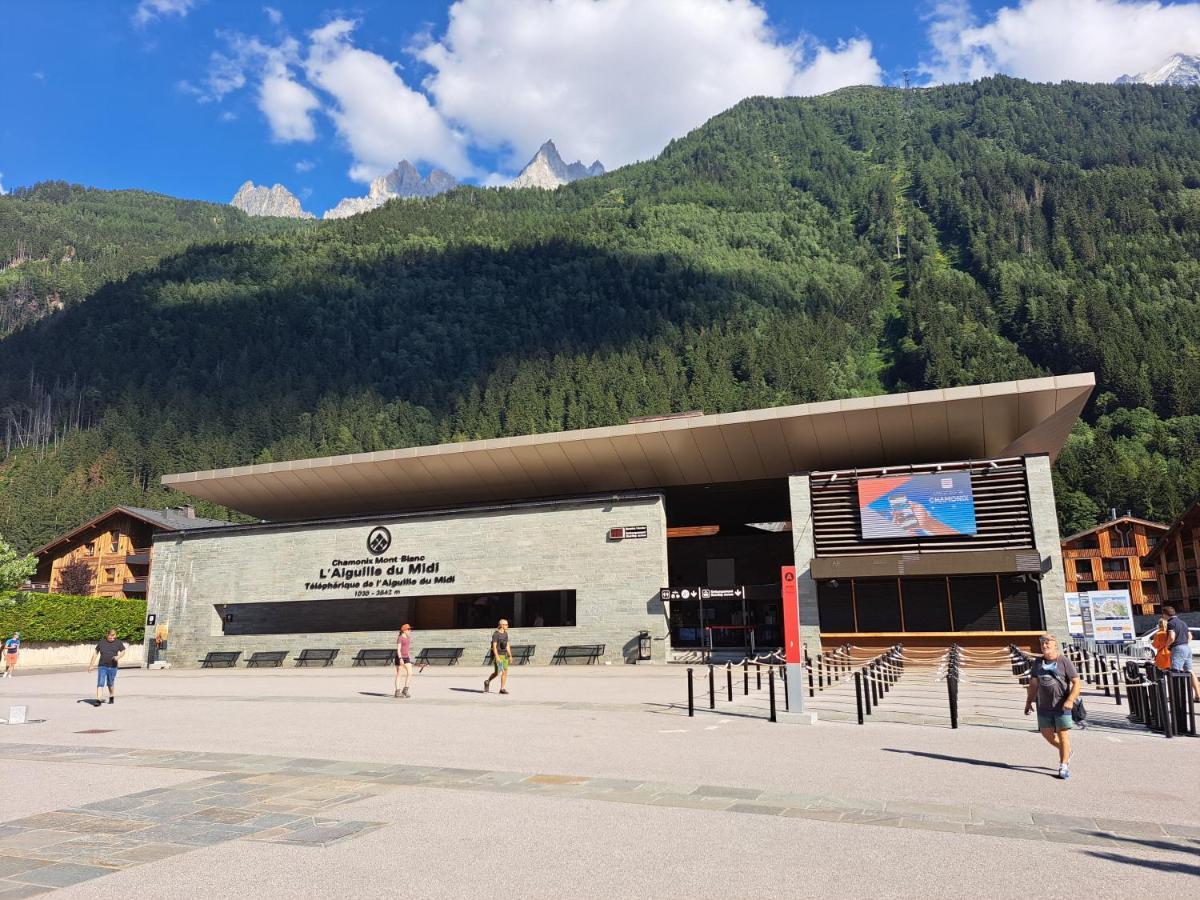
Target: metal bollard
<point>712,689</point>
<point>729,681</point>
<point>858,696</point>
<point>787,703</point>
<point>771,690</point>
<point>952,692</point>
<point>691,696</point>
<point>758,676</point>
<point>1116,680</point>
<point>808,665</point>
<point>866,690</point>
<point>745,678</point>
<point>1102,665</point>
<point>1164,703</point>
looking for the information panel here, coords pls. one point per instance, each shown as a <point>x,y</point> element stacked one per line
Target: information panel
<point>909,506</point>
<point>1111,616</point>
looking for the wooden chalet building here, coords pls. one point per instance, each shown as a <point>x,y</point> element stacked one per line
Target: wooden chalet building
<point>1111,557</point>
<point>116,548</point>
<point>1175,557</point>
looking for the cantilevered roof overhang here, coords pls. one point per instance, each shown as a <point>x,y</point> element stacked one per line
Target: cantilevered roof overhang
<point>979,422</point>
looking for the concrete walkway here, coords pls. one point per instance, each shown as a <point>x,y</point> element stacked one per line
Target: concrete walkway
<point>584,781</point>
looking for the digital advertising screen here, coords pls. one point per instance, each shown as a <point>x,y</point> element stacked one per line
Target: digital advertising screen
<point>909,506</point>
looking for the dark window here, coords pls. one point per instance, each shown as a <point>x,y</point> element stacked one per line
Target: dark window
<point>1022,602</point>
<point>1083,569</point>
<point>1116,566</point>
<point>834,605</point>
<point>878,605</point>
<point>1090,542</point>
<point>1120,537</point>
<point>926,604</point>
<point>975,602</point>
<point>482,611</point>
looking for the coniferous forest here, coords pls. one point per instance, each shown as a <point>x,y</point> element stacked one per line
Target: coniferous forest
<point>789,250</point>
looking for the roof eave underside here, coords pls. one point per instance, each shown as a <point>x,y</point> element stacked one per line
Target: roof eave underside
<point>983,421</point>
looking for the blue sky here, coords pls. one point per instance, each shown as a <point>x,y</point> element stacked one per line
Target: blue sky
<point>193,97</point>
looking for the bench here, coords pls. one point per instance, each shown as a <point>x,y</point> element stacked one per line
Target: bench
<point>309,657</point>
<point>382,656</point>
<point>449,654</point>
<point>590,652</point>
<point>266,658</point>
<point>520,653</point>
<point>220,659</point>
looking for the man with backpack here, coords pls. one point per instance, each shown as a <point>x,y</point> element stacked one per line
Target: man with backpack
<point>1054,685</point>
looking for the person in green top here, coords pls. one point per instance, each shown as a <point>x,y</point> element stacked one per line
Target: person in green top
<point>501,657</point>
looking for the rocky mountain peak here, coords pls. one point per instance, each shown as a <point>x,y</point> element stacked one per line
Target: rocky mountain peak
<point>260,200</point>
<point>1179,69</point>
<point>402,181</point>
<point>547,170</point>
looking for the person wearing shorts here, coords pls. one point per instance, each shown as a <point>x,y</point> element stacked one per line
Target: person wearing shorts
<point>1054,684</point>
<point>1180,648</point>
<point>12,649</point>
<point>404,663</point>
<point>501,657</point>
<point>105,659</point>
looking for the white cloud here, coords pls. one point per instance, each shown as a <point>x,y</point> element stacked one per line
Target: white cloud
<point>380,118</point>
<point>2,190</point>
<point>228,116</point>
<point>149,10</point>
<point>1055,40</point>
<point>288,106</point>
<point>617,79</point>
<point>305,165</point>
<point>273,14</point>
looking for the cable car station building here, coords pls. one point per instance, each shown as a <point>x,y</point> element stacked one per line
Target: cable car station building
<point>924,518</point>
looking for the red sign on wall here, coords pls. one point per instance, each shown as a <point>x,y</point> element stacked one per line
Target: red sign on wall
<point>791,615</point>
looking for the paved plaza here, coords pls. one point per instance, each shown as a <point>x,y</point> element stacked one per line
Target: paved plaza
<point>585,781</point>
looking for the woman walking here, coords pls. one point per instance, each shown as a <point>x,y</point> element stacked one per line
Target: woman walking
<point>404,660</point>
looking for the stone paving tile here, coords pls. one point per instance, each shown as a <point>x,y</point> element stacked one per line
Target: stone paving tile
<point>1017,832</point>
<point>1079,837</point>
<point>717,804</point>
<point>10,865</point>
<point>34,839</point>
<point>870,817</point>
<point>12,890</point>
<point>1139,829</point>
<point>762,809</point>
<point>931,825</point>
<point>1190,831</point>
<point>985,816</point>
<point>938,811</point>
<point>1061,821</point>
<point>733,793</point>
<point>61,875</point>
<point>821,815</point>
<point>613,784</point>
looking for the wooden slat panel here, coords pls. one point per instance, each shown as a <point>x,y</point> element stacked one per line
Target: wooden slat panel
<point>1002,514</point>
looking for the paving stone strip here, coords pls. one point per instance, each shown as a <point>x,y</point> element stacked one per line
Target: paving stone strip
<point>283,800</point>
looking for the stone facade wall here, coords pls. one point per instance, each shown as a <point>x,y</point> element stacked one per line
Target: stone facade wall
<point>559,545</point>
<point>1048,543</point>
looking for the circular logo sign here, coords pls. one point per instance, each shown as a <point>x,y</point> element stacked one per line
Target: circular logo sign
<point>379,540</point>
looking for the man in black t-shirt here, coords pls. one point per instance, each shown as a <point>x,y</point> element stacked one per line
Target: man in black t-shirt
<point>501,657</point>
<point>108,654</point>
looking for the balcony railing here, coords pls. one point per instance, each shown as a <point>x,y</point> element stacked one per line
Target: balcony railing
<point>1123,551</point>
<point>135,587</point>
<point>138,557</point>
<point>36,587</point>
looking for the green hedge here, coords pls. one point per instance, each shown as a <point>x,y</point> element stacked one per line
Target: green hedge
<point>75,620</point>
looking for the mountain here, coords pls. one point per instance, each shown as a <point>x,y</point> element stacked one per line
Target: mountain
<point>402,181</point>
<point>547,170</point>
<point>1180,69</point>
<point>60,242</point>
<point>256,200</point>
<point>788,250</point>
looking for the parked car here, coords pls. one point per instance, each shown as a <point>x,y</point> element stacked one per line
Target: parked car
<point>1142,648</point>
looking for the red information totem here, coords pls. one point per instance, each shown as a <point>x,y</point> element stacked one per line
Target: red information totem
<point>791,616</point>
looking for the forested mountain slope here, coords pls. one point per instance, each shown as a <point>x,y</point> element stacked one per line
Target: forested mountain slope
<point>788,250</point>
<point>59,242</point>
